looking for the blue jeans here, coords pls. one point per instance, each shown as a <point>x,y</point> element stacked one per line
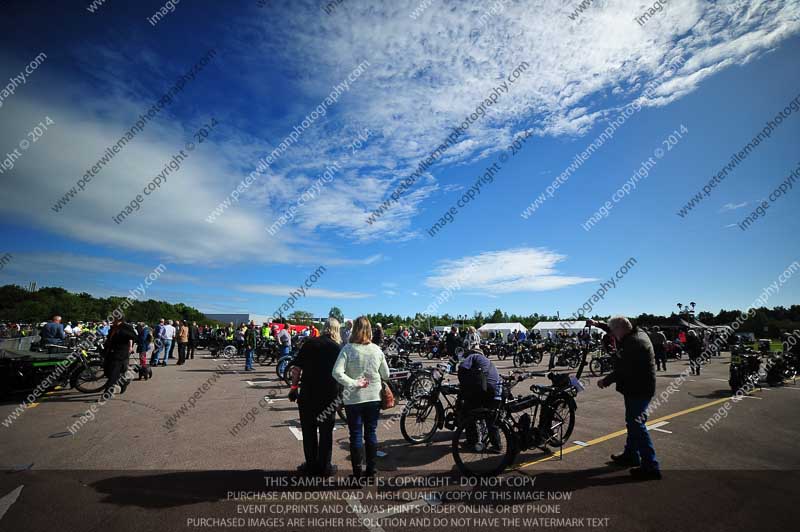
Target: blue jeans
<point>250,354</point>
<point>639,443</point>
<point>362,420</point>
<point>286,350</point>
<point>167,345</point>
<point>157,346</point>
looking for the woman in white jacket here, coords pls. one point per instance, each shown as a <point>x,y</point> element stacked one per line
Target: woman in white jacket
<point>360,368</point>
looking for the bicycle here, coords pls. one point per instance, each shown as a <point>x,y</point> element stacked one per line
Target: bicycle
<point>487,440</point>
<point>427,408</point>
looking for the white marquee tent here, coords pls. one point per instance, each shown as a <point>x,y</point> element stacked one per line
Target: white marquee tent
<point>572,328</point>
<point>503,328</point>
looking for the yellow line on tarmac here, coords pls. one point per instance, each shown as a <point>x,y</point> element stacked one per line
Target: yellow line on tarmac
<point>33,405</point>
<point>607,437</point>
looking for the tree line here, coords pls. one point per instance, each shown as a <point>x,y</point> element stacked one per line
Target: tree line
<point>20,305</point>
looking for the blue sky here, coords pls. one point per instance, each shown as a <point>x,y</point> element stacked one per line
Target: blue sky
<point>274,65</point>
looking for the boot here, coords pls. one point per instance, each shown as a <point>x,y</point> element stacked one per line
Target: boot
<point>372,453</point>
<point>356,454</point>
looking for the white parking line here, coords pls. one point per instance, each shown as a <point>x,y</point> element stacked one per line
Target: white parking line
<point>723,380</point>
<point>656,425</point>
<point>9,499</point>
<point>297,433</point>
<point>581,443</point>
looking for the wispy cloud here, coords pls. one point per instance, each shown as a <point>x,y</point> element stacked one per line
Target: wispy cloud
<point>501,272</point>
<point>732,206</point>
<point>284,290</point>
<point>56,263</point>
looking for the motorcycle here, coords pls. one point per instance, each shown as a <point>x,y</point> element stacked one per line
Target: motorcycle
<point>744,369</point>
<point>601,363</point>
<point>525,355</point>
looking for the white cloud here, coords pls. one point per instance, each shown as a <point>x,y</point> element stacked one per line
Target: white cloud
<point>513,270</point>
<point>285,290</point>
<point>733,206</point>
<point>426,75</point>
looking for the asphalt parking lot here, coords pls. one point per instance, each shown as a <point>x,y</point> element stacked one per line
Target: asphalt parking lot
<point>130,468</point>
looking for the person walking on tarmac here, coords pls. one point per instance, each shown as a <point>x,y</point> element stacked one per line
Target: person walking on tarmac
<point>316,391</point>
<point>118,348</point>
<point>659,347</point>
<point>194,337</point>
<point>250,344</point>
<point>694,346</point>
<point>635,376</point>
<point>285,340</point>
<point>183,341</point>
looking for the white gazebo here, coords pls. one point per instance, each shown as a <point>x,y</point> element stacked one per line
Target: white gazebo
<point>503,328</point>
<point>567,326</point>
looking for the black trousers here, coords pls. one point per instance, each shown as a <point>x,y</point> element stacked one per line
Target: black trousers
<point>190,353</point>
<point>317,448</point>
<point>116,367</point>
<point>478,399</point>
<point>661,359</point>
<point>182,352</point>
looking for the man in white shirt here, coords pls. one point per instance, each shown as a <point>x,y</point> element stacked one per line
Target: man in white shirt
<point>169,337</point>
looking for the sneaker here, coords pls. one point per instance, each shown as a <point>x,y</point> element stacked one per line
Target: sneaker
<point>640,473</point>
<point>625,460</point>
<point>249,369</point>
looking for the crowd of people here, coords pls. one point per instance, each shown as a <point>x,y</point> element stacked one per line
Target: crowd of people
<point>346,364</point>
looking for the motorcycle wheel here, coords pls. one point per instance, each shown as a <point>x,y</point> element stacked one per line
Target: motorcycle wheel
<point>596,367</point>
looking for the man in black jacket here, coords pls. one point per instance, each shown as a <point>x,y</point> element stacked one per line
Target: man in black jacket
<point>452,341</point>
<point>120,345</point>
<point>635,377</point>
<point>317,396</point>
<point>194,337</point>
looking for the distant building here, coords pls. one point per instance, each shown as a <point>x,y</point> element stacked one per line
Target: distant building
<point>238,319</point>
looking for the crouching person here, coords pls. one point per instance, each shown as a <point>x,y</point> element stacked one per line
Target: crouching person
<point>317,396</point>
<point>479,387</point>
<point>635,376</point>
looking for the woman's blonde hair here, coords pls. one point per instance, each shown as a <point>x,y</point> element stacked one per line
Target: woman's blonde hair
<point>362,331</point>
<point>331,327</point>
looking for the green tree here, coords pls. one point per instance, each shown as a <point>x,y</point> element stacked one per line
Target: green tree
<point>337,313</point>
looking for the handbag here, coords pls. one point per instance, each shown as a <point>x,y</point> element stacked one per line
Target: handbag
<point>387,397</point>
